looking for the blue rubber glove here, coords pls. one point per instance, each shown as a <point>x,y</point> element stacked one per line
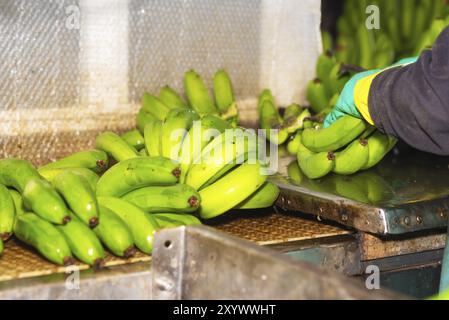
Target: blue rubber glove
<point>345,104</point>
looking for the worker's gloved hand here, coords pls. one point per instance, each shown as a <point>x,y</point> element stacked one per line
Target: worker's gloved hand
<point>353,99</point>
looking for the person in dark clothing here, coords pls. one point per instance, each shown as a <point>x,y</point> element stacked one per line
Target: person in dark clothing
<point>409,100</point>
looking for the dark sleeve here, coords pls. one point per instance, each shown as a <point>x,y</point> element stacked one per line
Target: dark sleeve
<point>412,102</point>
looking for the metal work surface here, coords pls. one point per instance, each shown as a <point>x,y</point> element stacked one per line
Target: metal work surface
<point>405,193</point>
<point>201,263</point>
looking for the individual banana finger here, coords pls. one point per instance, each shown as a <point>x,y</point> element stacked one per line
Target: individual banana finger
<point>197,94</point>
<point>115,234</point>
<point>171,98</point>
<point>315,165</point>
<point>136,173</point>
<point>44,237</point>
<point>231,190</point>
<point>152,105</point>
<point>141,224</point>
<point>79,196</point>
<point>317,95</point>
<point>142,119</point>
<point>324,65</point>
<point>293,144</point>
<point>264,197</point>
<point>18,202</point>
<point>265,95</point>
<point>115,146</point>
<point>134,138</point>
<point>89,175</point>
<point>185,219</point>
<point>224,94</point>
<point>7,213</point>
<point>338,135</point>
<point>353,158</point>
<point>379,145</point>
<point>271,122</point>
<point>83,242</point>
<point>152,135</point>
<point>176,198</point>
<point>95,160</point>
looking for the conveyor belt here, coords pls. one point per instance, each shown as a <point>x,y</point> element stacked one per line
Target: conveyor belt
<point>20,261</point>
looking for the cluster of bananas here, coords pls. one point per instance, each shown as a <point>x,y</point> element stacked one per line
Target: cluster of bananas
<point>132,185</point>
<point>406,28</point>
<point>346,147</point>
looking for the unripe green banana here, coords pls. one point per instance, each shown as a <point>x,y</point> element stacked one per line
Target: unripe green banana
<point>154,106</point>
<point>379,145</point>
<point>95,160</point>
<point>224,94</point>
<point>352,158</point>
<point>83,242</point>
<point>365,39</point>
<point>294,173</point>
<point>315,165</point>
<point>264,197</point>
<point>152,134</point>
<point>335,81</point>
<point>177,198</point>
<point>18,202</point>
<point>136,173</point>
<point>384,52</point>
<point>339,134</point>
<point>197,94</point>
<point>115,234</point>
<point>115,146</point>
<point>141,224</point>
<point>37,193</point>
<point>327,41</point>
<point>142,119</point>
<point>270,119</point>
<point>408,19</point>
<point>184,219</point>
<point>89,175</point>
<point>265,95</point>
<point>174,129</point>
<point>134,138</point>
<point>218,157</point>
<point>324,65</point>
<point>165,223</point>
<point>171,98</point>
<point>293,144</point>
<point>294,124</point>
<point>44,237</point>
<point>7,213</point>
<point>231,190</point>
<point>317,95</point>
<point>292,111</point>
<point>79,196</point>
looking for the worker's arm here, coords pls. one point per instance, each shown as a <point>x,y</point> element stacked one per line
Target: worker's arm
<point>412,102</point>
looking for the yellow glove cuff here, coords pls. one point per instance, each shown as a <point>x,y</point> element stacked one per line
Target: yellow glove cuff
<point>361,94</point>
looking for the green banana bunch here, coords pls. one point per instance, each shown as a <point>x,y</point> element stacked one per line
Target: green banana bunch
<point>152,136</point>
<point>141,224</point>
<point>198,94</point>
<point>134,138</point>
<point>338,135</point>
<point>90,176</point>
<point>230,190</point>
<point>271,119</point>
<point>317,95</point>
<point>95,160</point>
<point>44,237</point>
<point>153,106</point>
<point>79,196</point>
<point>7,213</point>
<point>136,173</point>
<point>83,242</point>
<point>264,197</point>
<point>177,123</point>
<point>115,146</point>
<point>176,198</point>
<point>38,194</point>
<point>115,234</point>
<point>171,98</point>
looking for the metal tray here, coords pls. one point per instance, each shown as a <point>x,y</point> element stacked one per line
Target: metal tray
<point>407,192</point>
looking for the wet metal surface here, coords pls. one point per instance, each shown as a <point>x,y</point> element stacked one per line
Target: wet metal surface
<point>406,192</point>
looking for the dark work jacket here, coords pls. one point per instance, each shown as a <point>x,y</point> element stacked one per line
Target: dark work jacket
<point>412,102</point>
